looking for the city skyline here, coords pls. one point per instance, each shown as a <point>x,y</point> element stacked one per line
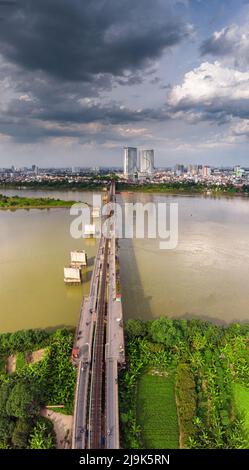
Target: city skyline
<point>171,75</point>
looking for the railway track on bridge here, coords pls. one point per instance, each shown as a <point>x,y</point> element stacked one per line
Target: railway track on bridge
<point>96,393</point>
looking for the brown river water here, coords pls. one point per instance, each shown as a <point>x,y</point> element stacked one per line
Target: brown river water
<point>205,276</point>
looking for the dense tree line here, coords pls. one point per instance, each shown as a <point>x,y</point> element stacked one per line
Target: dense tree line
<point>98,183</point>
<point>23,341</point>
<point>23,393</point>
<point>183,187</point>
<point>207,360</point>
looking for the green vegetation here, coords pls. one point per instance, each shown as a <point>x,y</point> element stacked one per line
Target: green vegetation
<point>50,381</point>
<point>241,396</point>
<point>42,436</point>
<point>208,360</point>
<point>155,398</point>
<point>2,364</point>
<point>118,284</point>
<point>24,340</point>
<point>21,433</point>
<point>99,182</point>
<point>94,184</point>
<point>16,202</point>
<point>186,398</point>
<point>20,361</point>
<point>183,187</point>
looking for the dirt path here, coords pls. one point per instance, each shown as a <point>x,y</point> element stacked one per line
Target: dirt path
<point>62,427</point>
<point>35,356</point>
<point>11,364</point>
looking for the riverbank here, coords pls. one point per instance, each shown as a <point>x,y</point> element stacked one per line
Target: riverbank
<point>55,187</point>
<point>17,202</point>
<point>178,189</point>
<point>174,188</point>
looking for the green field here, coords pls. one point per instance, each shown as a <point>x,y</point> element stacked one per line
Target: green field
<point>156,411</point>
<point>241,394</point>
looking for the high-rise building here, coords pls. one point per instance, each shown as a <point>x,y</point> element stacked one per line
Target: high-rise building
<point>206,171</point>
<point>238,171</point>
<point>146,161</point>
<point>179,169</point>
<point>35,169</point>
<point>192,170</point>
<point>130,161</point>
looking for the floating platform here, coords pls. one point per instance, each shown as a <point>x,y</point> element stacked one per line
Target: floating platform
<point>78,259</point>
<point>90,231</point>
<point>96,213</point>
<point>72,275</point>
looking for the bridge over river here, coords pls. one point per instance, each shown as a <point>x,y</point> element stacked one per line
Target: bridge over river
<point>99,343</point>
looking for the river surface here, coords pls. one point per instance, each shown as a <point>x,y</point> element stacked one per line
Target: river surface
<point>205,276</point>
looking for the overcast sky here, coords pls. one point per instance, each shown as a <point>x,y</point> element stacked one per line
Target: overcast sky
<point>82,78</point>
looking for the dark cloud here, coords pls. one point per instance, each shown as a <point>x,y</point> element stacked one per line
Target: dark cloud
<point>132,79</point>
<point>218,45</point>
<point>60,58</point>
<point>7,3</point>
<point>219,111</point>
<point>155,80</point>
<point>109,113</point>
<point>76,40</point>
<point>231,43</point>
<point>168,86</point>
<point>30,118</point>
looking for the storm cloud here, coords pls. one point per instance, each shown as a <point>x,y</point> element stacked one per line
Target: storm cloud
<point>76,40</point>
<point>118,72</point>
<point>58,58</point>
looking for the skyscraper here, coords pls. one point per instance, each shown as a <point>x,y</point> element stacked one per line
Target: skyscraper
<point>192,170</point>
<point>146,161</point>
<point>179,169</point>
<point>206,171</point>
<point>130,161</point>
<point>238,171</point>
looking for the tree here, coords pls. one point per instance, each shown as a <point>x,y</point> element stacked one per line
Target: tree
<point>199,341</point>
<point>164,331</point>
<point>21,433</point>
<point>42,436</point>
<point>6,428</point>
<point>5,391</point>
<point>22,401</point>
<point>135,328</point>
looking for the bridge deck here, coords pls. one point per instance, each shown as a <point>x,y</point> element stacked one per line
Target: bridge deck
<point>103,421</point>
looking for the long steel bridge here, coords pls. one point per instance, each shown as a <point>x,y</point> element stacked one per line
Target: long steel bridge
<point>99,342</point>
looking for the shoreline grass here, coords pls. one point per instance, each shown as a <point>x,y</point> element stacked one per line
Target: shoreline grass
<point>17,202</point>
